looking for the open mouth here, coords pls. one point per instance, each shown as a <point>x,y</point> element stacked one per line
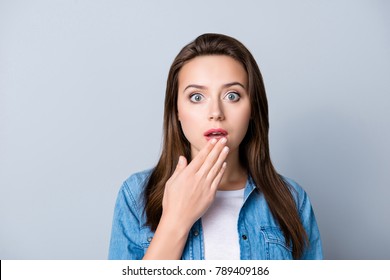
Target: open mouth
<point>215,133</point>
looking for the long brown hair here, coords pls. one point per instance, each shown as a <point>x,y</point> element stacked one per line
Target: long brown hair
<point>254,149</point>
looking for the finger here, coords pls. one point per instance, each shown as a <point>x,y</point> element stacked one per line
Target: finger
<point>181,164</point>
<point>218,178</point>
<point>213,157</point>
<point>198,161</point>
<point>214,171</point>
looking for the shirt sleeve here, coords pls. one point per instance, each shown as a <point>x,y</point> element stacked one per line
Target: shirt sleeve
<point>313,250</point>
<point>124,243</point>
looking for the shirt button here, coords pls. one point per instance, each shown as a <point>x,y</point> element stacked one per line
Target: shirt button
<point>244,237</point>
<point>150,239</point>
<point>196,233</point>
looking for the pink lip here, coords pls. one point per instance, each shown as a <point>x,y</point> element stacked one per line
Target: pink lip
<point>220,133</point>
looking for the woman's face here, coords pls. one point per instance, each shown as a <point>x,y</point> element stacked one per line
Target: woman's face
<point>213,101</point>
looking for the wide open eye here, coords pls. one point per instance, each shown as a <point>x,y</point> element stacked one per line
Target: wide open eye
<point>232,96</point>
<point>196,97</point>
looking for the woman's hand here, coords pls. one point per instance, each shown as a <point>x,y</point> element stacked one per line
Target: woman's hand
<point>187,196</point>
<point>191,189</point>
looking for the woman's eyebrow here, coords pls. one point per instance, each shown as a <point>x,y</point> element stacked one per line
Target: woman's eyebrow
<point>233,84</point>
<point>224,86</point>
<point>194,86</point>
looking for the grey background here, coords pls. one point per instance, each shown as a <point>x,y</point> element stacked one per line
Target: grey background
<point>81,101</point>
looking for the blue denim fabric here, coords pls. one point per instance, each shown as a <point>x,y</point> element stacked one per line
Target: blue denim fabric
<point>260,235</point>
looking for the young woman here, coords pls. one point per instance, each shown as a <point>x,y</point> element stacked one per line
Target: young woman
<point>214,193</point>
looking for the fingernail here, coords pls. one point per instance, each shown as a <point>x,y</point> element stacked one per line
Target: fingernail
<point>225,149</point>
<point>213,141</point>
<point>180,160</point>
<point>223,140</point>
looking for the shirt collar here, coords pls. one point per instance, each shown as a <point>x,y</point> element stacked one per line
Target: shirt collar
<point>249,187</point>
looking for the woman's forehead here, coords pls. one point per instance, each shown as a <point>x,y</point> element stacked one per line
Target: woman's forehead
<point>212,69</point>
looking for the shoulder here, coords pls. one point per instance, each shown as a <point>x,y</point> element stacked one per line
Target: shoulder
<point>130,194</point>
<point>135,184</point>
<point>299,194</point>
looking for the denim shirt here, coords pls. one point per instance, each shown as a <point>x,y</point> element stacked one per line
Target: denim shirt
<point>259,234</point>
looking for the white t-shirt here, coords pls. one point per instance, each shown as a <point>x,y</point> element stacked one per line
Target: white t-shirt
<point>219,223</point>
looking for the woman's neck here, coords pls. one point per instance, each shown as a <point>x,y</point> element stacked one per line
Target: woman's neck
<point>235,175</point>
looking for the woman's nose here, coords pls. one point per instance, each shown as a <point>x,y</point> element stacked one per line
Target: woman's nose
<point>216,111</point>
